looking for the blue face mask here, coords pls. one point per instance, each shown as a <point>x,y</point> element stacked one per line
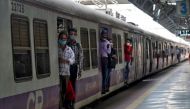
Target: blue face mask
<point>72,37</point>
<point>62,42</point>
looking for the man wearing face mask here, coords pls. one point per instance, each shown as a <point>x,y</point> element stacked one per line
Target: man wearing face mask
<point>76,68</point>
<point>66,58</point>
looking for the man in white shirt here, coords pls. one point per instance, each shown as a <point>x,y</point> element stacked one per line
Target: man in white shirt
<point>66,58</point>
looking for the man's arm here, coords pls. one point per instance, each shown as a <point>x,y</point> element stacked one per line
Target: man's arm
<point>72,56</point>
<point>81,57</point>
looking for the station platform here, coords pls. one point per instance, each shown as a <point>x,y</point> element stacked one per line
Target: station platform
<point>168,89</point>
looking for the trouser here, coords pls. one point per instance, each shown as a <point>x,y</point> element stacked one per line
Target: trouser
<point>104,66</point>
<point>108,78</point>
<point>172,57</point>
<point>63,87</point>
<point>73,76</point>
<point>126,72</point>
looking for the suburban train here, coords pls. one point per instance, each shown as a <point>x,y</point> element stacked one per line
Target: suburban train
<point>29,76</point>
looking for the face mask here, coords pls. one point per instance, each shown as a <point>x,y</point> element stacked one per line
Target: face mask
<point>62,42</point>
<point>72,37</point>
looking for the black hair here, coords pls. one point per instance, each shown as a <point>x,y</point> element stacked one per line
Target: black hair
<point>62,33</point>
<point>104,32</point>
<point>72,29</point>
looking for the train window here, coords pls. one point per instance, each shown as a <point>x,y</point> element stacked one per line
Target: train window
<point>115,45</point>
<point>119,48</point>
<point>41,47</point>
<point>93,48</point>
<point>85,46</point>
<point>63,24</point>
<point>21,48</point>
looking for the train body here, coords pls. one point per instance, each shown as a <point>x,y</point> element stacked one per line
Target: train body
<point>29,66</point>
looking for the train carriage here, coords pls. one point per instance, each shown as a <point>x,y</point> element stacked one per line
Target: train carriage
<point>29,52</point>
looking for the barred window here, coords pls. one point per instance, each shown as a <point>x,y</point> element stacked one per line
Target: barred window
<point>126,35</point>
<point>22,65</point>
<point>119,48</point>
<point>85,46</point>
<point>41,47</point>
<point>93,48</point>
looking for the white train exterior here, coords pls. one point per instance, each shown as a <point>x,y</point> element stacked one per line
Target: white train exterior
<point>29,53</point>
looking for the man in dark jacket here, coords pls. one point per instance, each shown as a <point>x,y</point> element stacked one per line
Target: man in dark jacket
<point>76,68</point>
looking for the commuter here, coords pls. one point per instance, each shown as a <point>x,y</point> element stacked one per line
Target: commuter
<point>76,68</point>
<point>172,52</point>
<point>66,58</point>
<point>167,54</point>
<point>178,53</point>
<point>112,60</point>
<point>105,49</point>
<point>128,57</point>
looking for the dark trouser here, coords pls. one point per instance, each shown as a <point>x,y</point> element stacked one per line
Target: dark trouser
<point>178,57</point>
<point>73,76</point>
<point>172,57</point>
<point>126,72</point>
<point>108,78</point>
<point>104,65</point>
<point>63,86</point>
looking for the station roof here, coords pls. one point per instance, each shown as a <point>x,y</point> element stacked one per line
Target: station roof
<point>166,16</point>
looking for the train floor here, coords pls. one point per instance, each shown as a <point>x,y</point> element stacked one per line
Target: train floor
<point>168,89</point>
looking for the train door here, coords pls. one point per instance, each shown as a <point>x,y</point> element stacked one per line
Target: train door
<point>147,56</point>
<point>135,58</point>
<point>150,55</point>
<point>160,57</point>
<point>167,54</point>
<point>145,53</point>
<point>157,55</point>
<point>62,24</point>
<point>132,64</point>
<point>164,53</point>
<point>139,58</point>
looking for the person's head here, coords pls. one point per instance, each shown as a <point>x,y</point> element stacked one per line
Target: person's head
<point>104,34</point>
<point>62,38</point>
<point>128,41</point>
<point>72,33</point>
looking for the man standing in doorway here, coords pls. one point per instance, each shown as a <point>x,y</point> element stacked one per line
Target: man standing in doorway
<point>105,49</point>
<point>66,58</point>
<point>128,56</point>
<point>76,68</point>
